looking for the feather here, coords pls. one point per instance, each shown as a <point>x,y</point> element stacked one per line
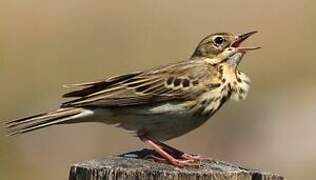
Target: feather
<point>172,82</point>
<point>93,87</point>
<point>46,119</point>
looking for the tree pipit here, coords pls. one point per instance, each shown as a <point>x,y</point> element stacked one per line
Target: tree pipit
<point>160,103</point>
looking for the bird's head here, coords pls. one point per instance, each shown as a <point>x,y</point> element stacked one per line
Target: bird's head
<point>221,45</point>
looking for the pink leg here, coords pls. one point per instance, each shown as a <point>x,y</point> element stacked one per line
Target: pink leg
<point>179,154</point>
<point>165,155</point>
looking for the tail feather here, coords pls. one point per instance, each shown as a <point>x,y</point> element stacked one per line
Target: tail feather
<point>16,122</point>
<point>43,120</point>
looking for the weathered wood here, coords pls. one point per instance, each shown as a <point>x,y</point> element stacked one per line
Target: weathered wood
<point>133,166</point>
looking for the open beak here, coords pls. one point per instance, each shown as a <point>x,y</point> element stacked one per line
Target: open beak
<point>240,39</point>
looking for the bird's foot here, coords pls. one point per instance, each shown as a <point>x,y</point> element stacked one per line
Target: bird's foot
<point>193,157</point>
<point>176,162</point>
<point>178,154</point>
<point>183,163</point>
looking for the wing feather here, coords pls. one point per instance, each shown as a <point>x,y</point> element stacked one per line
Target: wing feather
<point>92,87</point>
<point>173,82</point>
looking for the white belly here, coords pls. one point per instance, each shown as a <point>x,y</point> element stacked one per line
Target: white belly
<point>161,122</point>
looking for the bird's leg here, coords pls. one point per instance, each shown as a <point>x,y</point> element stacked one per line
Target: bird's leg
<point>165,155</point>
<point>175,152</point>
<point>180,154</point>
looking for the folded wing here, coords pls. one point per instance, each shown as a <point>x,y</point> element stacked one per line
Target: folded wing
<point>156,85</point>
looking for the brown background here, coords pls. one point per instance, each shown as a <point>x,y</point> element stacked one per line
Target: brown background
<point>44,44</point>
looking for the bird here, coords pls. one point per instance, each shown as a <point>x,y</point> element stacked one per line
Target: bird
<point>160,103</point>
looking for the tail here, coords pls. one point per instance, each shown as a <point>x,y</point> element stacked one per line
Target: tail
<point>32,123</point>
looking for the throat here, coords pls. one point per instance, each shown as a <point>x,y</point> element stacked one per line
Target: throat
<point>230,84</point>
<point>237,82</point>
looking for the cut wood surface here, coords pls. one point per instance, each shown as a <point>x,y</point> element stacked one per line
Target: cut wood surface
<point>134,165</point>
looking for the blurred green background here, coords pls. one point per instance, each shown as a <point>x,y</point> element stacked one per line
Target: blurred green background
<point>45,44</point>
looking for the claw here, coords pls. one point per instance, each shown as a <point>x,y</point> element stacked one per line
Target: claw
<point>195,157</point>
<point>176,162</point>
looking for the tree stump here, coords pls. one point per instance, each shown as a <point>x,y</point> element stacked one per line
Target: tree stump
<point>134,165</point>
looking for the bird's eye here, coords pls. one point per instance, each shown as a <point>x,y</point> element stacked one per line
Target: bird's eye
<point>219,40</point>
